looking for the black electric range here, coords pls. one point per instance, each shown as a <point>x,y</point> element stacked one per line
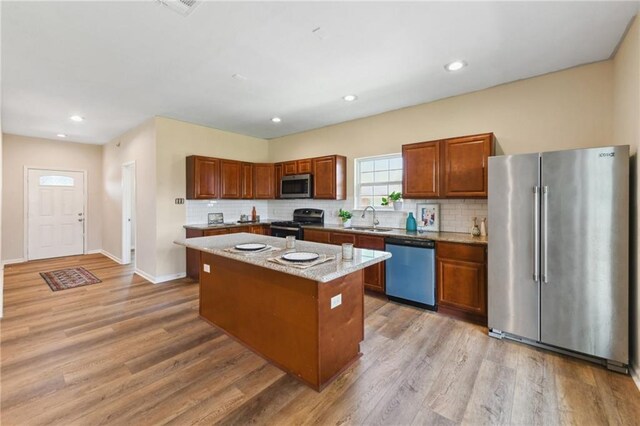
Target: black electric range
<point>301,217</point>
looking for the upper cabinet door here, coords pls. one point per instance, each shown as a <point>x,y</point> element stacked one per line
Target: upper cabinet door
<point>421,170</point>
<point>330,177</point>
<point>290,168</point>
<point>464,163</point>
<point>247,180</point>
<point>277,175</point>
<point>264,185</point>
<point>203,174</point>
<point>230,179</point>
<point>304,166</point>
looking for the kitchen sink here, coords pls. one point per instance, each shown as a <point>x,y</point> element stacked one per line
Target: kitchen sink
<point>370,229</point>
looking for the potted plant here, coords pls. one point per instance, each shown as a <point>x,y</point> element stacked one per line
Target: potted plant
<point>346,216</point>
<point>395,198</point>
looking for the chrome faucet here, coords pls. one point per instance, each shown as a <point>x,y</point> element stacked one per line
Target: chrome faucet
<point>375,221</point>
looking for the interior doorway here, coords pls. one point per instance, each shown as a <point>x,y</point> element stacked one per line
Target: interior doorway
<point>55,210</point>
<point>128,212</point>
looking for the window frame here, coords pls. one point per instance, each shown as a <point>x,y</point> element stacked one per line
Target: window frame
<point>357,184</point>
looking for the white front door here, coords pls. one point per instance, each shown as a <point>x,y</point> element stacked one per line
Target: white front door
<point>55,213</point>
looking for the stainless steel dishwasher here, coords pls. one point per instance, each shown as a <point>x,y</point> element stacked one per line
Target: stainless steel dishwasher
<point>410,273</point>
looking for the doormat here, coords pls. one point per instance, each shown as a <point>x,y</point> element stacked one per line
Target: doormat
<point>69,278</point>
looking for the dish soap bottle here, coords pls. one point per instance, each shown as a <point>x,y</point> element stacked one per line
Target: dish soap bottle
<point>412,226</point>
<point>253,214</point>
<point>483,227</point>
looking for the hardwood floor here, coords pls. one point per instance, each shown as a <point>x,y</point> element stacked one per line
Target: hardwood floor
<point>129,352</point>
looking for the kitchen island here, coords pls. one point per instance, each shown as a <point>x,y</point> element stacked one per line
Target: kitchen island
<point>309,322</point>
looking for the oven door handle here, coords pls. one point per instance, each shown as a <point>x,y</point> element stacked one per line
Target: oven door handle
<point>285,228</point>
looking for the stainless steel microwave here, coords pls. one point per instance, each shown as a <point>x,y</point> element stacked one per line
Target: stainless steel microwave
<point>296,186</point>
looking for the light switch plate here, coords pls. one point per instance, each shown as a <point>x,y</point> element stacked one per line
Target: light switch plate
<point>206,268</point>
<point>336,301</point>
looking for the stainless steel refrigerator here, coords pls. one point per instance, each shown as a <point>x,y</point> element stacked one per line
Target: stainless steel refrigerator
<point>559,251</point>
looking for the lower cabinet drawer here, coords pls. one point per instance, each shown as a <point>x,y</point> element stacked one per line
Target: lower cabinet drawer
<point>317,236</point>
<point>341,238</point>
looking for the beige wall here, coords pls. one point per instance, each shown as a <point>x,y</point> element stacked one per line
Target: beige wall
<point>137,145</point>
<point>21,151</point>
<point>626,131</point>
<point>175,140</point>
<point>566,109</point>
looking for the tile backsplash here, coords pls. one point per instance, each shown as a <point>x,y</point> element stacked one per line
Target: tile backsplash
<point>455,215</point>
<point>197,210</point>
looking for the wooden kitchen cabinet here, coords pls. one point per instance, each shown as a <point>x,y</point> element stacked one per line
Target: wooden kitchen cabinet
<point>304,166</point>
<point>462,280</point>
<point>230,179</point>
<point>277,174</point>
<point>330,177</point>
<point>247,181</point>
<point>421,170</point>
<point>464,165</point>
<point>210,178</point>
<point>448,168</point>
<point>341,238</point>
<point>297,167</point>
<point>264,184</point>
<point>317,236</point>
<point>374,276</point>
<point>203,175</point>
<point>289,168</point>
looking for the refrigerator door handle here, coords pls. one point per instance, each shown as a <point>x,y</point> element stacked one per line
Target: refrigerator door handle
<point>536,232</point>
<point>545,215</point>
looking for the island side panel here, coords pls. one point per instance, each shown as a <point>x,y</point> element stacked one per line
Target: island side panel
<point>341,329</point>
<point>273,313</point>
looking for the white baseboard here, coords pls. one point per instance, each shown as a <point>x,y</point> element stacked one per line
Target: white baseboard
<point>161,279</point>
<point>635,376</point>
<point>98,251</point>
<point>144,275</point>
<point>111,256</point>
<point>12,261</point>
<point>170,277</point>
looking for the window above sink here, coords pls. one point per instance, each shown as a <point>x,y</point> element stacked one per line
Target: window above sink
<point>376,177</point>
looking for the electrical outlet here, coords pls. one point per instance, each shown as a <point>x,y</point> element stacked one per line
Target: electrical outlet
<point>207,268</point>
<point>179,201</point>
<point>336,301</point>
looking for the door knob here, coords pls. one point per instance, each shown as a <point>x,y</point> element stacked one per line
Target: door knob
<point>80,220</point>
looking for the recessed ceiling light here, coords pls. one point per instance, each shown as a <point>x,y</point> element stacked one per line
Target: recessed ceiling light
<point>276,119</point>
<point>455,66</point>
<point>61,135</point>
<point>76,118</point>
<point>350,98</point>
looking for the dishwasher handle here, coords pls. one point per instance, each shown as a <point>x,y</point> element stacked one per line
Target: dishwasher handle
<point>411,242</point>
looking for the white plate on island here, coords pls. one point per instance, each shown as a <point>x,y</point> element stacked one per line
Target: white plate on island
<point>300,256</point>
<point>250,246</point>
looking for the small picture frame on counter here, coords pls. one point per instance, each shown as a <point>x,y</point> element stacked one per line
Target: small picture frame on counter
<point>428,216</point>
<point>215,219</point>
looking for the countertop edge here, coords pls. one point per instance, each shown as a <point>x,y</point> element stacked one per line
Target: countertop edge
<point>302,273</point>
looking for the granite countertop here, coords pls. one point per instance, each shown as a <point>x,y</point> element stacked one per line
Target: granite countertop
<point>323,272</point>
<point>452,237</point>
<point>204,226</point>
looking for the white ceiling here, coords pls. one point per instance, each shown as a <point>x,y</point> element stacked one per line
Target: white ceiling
<point>119,63</point>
